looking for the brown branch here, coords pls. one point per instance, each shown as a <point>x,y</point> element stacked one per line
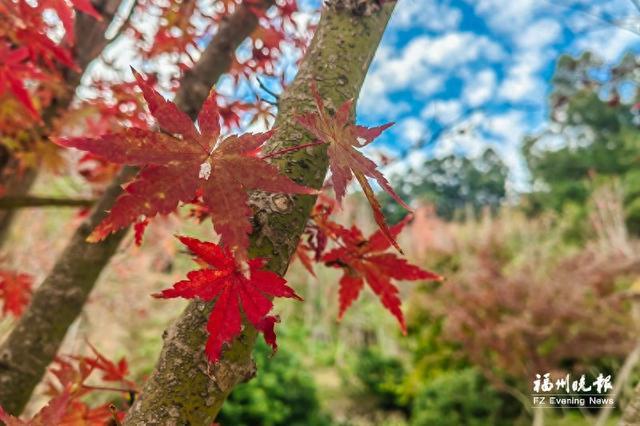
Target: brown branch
<point>32,344</point>
<point>18,202</point>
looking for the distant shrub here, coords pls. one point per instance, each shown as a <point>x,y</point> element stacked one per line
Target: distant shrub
<point>458,398</point>
<point>282,393</point>
<point>382,377</point>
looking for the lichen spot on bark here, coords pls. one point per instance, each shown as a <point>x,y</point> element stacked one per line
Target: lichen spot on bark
<point>282,203</point>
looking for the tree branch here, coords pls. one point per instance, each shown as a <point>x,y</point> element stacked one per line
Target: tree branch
<point>184,388</point>
<point>18,202</point>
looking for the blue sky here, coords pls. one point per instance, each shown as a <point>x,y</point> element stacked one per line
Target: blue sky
<point>485,66</point>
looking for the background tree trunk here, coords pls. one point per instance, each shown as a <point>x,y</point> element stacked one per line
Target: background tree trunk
<point>34,342</point>
<point>631,413</point>
<point>184,388</point>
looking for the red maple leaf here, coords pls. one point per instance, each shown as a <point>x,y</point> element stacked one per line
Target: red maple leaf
<point>138,228</point>
<point>13,71</point>
<point>181,160</point>
<point>71,373</point>
<point>15,291</point>
<point>365,260</point>
<point>233,289</point>
<point>80,414</point>
<point>345,161</point>
<point>50,414</point>
<point>111,371</point>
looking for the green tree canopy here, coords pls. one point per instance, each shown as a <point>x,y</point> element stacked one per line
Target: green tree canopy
<point>454,183</point>
<point>592,139</point>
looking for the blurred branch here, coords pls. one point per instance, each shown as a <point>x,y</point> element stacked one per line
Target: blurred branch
<point>623,376</point>
<point>126,20</point>
<point>18,202</point>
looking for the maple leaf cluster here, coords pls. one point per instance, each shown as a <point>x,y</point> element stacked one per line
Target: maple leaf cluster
<point>115,105</point>
<point>234,290</point>
<point>38,57</point>
<point>68,387</point>
<point>15,292</point>
<point>360,259</point>
<point>345,161</point>
<point>182,161</point>
<point>277,27</point>
<point>177,32</point>
<point>179,163</point>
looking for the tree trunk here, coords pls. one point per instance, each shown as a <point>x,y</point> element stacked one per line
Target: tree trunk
<point>34,342</point>
<point>631,413</point>
<point>184,388</point>
<point>90,42</point>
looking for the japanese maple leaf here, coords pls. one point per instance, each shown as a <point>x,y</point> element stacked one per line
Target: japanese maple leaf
<point>111,371</point>
<point>72,371</point>
<point>317,233</point>
<point>365,260</point>
<point>138,230</point>
<point>15,291</point>
<point>181,160</point>
<point>50,414</point>
<point>71,374</point>
<point>233,290</point>
<point>345,161</point>
<point>13,70</point>
<point>80,414</point>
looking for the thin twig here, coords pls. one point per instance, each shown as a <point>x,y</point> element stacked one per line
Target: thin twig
<point>17,202</point>
<point>266,89</point>
<point>109,389</point>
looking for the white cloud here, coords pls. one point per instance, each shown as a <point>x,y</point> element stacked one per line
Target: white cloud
<point>462,138</point>
<point>445,111</point>
<point>522,82</point>
<point>508,16</point>
<point>479,87</point>
<point>533,52</point>
<point>423,66</point>
<point>610,43</point>
<point>411,130</point>
<point>454,49</point>
<point>434,15</point>
<point>414,65</point>
<point>510,126</point>
<point>539,34</point>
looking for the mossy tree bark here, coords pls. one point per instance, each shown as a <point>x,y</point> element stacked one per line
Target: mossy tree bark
<point>184,388</point>
<point>33,343</point>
